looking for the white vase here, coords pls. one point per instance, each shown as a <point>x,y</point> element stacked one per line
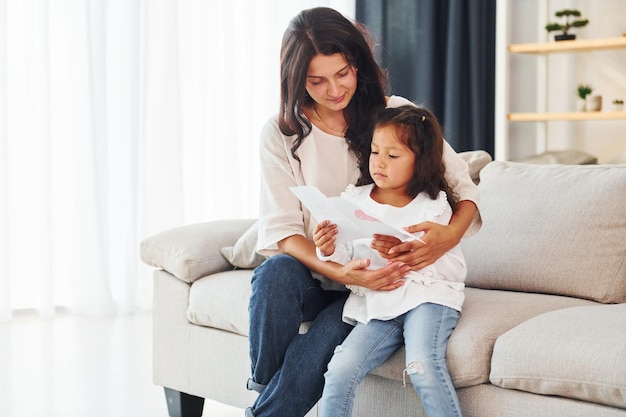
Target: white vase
<point>593,103</point>
<point>618,106</point>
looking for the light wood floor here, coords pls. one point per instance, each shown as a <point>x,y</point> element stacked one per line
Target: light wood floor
<point>77,366</point>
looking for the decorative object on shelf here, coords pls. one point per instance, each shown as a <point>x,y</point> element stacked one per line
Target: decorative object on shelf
<point>583,91</point>
<point>618,104</point>
<point>593,103</point>
<point>564,28</point>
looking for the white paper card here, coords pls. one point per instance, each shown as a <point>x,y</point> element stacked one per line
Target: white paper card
<point>352,221</point>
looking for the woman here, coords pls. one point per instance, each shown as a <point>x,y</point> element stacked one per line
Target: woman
<point>330,88</point>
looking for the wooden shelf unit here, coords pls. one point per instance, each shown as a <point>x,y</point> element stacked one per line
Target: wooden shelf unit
<point>568,116</point>
<point>580,45</point>
<point>538,117</point>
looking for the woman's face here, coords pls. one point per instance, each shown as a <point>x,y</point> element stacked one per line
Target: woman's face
<point>331,81</point>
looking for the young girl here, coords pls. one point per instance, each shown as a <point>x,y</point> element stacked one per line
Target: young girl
<point>405,185</point>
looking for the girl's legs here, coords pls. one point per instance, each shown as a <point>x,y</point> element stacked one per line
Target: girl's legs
<point>427,329</point>
<point>366,347</point>
<point>288,368</point>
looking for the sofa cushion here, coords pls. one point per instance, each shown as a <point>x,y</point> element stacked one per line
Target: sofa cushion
<point>221,301</point>
<point>193,251</point>
<point>577,353</point>
<point>486,315</point>
<point>476,161</point>
<point>243,254</point>
<point>551,229</point>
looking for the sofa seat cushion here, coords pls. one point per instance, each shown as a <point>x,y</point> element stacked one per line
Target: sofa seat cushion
<point>221,301</point>
<point>549,229</point>
<point>486,315</point>
<point>576,353</point>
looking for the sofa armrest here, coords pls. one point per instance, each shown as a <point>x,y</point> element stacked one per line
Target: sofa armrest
<point>193,251</point>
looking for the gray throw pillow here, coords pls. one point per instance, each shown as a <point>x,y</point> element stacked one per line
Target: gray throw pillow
<point>243,254</point>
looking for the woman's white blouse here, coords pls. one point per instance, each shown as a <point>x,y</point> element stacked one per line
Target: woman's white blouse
<point>326,163</point>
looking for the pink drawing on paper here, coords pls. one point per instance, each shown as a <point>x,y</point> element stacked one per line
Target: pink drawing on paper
<point>360,214</point>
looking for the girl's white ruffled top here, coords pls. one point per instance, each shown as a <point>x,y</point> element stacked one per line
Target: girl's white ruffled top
<point>439,283</point>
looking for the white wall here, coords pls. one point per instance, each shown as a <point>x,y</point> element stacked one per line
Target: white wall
<point>604,70</point>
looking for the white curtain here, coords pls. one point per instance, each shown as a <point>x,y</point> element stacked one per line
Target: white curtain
<point>119,119</point>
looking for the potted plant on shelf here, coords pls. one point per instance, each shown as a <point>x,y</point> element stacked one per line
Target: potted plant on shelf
<point>564,28</point>
<point>583,91</point>
<point>618,104</point>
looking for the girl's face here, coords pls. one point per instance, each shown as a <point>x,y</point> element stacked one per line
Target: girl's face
<point>391,162</point>
<point>331,81</point>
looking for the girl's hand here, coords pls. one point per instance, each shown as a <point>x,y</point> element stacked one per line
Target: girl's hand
<point>383,243</point>
<point>388,278</point>
<point>324,237</point>
<point>437,238</point>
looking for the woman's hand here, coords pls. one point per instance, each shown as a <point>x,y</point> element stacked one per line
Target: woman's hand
<point>324,237</point>
<point>437,240</point>
<point>388,278</point>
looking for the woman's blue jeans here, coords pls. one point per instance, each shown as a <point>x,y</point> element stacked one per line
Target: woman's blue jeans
<point>288,367</point>
<point>424,331</point>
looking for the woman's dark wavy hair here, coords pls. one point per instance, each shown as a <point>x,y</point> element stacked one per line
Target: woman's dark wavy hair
<point>418,129</point>
<point>322,30</point>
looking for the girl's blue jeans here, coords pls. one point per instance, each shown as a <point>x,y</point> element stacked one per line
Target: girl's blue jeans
<point>424,331</point>
<point>288,367</point>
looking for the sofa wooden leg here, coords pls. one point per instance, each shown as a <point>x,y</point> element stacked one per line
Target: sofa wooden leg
<point>180,404</point>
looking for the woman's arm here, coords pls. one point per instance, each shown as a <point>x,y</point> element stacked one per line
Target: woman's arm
<point>355,272</point>
<point>439,239</point>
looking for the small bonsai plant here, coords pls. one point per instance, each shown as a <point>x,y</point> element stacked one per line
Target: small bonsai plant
<point>584,90</point>
<point>564,28</point>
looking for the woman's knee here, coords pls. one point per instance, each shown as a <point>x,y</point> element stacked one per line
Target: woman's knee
<point>284,286</point>
<point>278,273</point>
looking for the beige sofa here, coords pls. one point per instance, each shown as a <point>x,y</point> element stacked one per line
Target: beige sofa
<point>543,327</point>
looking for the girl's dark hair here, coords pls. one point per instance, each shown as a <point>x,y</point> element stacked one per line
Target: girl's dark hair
<point>325,31</point>
<point>419,130</point>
